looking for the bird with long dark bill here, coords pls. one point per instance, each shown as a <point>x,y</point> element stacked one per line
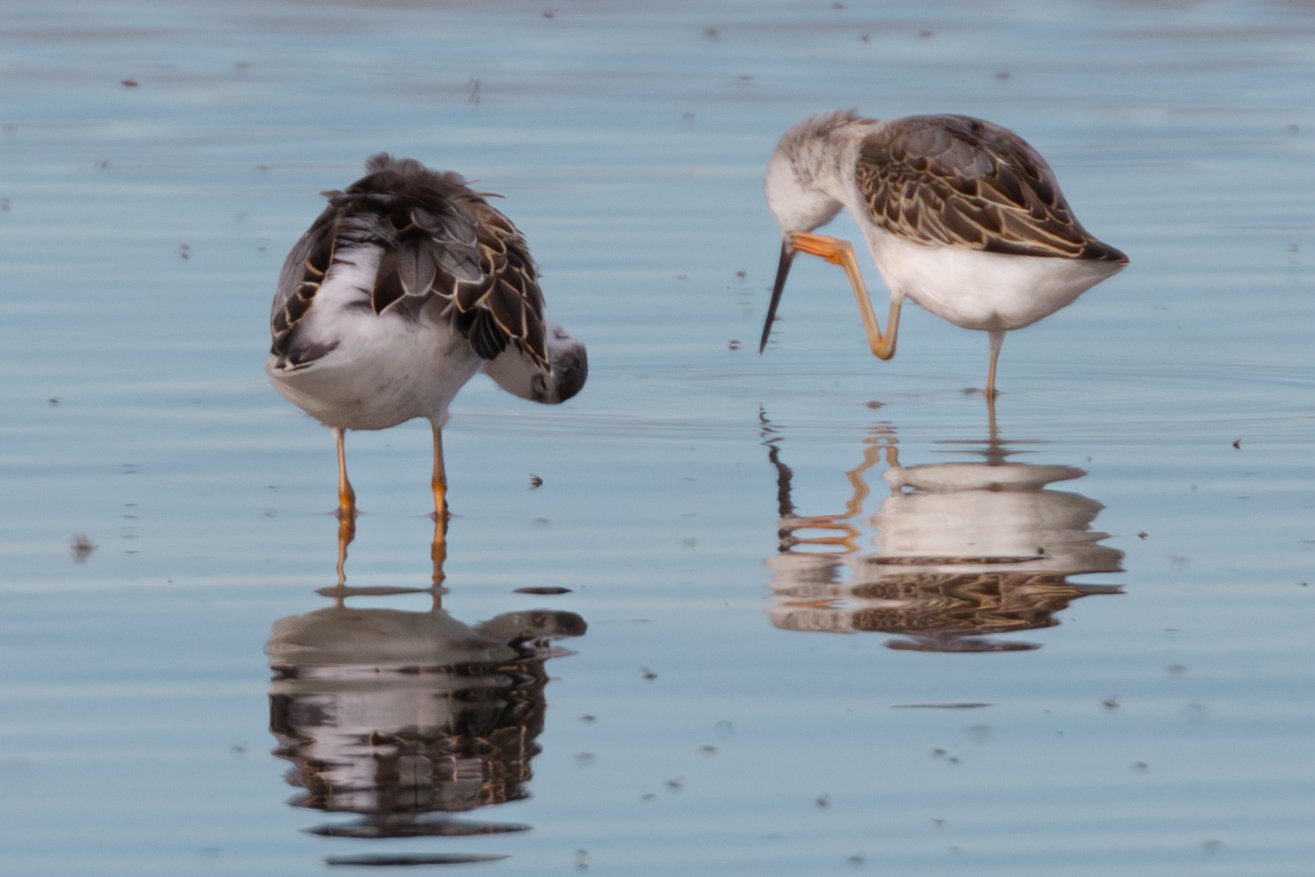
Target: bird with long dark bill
<point>960,215</point>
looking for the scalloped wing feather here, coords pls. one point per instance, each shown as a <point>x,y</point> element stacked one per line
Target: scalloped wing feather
<point>513,299</point>
<point>441,241</point>
<point>303,271</point>
<point>417,270</point>
<point>959,181</point>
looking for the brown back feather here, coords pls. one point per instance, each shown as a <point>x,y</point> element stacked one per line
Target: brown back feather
<point>959,181</point>
<point>442,241</point>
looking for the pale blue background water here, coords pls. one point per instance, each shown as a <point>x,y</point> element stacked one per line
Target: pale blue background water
<point>1162,731</point>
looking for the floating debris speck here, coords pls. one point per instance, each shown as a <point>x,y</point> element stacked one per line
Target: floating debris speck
<point>81,547</point>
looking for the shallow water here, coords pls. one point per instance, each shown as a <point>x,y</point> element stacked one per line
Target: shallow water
<point>817,621</point>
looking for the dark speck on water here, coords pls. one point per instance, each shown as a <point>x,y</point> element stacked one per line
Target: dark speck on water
<point>385,860</point>
<point>543,590</point>
<point>81,547</point>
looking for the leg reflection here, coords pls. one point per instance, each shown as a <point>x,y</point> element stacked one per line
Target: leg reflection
<point>438,549</point>
<point>346,533</point>
<point>837,530</point>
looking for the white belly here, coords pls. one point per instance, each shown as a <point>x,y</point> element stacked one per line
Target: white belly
<point>385,370</point>
<point>979,290</point>
<point>975,517</point>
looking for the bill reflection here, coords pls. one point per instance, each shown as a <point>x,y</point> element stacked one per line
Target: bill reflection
<point>954,555</point>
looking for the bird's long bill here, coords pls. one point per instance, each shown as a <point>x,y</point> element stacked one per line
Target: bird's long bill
<point>782,271</point>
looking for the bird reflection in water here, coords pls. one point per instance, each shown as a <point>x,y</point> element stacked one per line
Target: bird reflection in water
<point>405,718</point>
<point>957,553</point>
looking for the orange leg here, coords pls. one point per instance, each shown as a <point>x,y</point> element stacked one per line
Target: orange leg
<point>346,533</point>
<point>438,550</point>
<point>845,538</point>
<point>873,451</point>
<point>997,339</point>
<point>839,252</point>
<point>346,496</point>
<point>346,507</point>
<point>875,448</point>
<point>439,481</point>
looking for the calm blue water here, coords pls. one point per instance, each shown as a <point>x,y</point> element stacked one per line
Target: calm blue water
<point>821,638</point>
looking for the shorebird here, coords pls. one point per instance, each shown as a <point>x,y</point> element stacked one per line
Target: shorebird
<point>406,286</point>
<point>960,215</point>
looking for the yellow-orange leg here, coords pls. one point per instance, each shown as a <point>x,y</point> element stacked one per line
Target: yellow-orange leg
<point>346,507</point>
<point>840,252</point>
<point>346,533</point>
<point>845,535</point>
<point>997,339</point>
<point>346,496</point>
<point>438,551</point>
<point>439,481</point>
<point>875,449</point>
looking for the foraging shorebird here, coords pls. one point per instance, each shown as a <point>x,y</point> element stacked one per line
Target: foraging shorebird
<point>960,215</point>
<point>406,286</point>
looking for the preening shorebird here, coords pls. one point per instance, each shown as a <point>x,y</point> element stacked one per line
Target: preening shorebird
<point>960,215</point>
<point>406,286</point>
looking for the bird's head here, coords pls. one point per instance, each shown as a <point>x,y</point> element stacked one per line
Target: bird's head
<point>568,368</point>
<point>801,184</point>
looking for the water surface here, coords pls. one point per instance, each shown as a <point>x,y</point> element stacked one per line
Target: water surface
<point>816,618</point>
